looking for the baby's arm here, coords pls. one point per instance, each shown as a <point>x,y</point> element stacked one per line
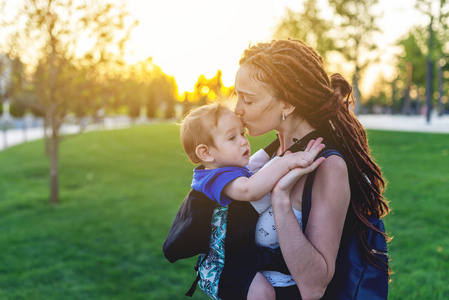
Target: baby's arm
<point>257,161</point>
<point>261,183</point>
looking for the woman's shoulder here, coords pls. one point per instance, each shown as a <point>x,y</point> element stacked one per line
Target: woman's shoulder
<point>331,184</point>
<point>334,166</point>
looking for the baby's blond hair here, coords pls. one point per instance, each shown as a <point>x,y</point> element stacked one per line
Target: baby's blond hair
<point>197,125</point>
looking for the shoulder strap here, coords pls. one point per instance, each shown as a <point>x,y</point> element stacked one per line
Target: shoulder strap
<point>307,193</point>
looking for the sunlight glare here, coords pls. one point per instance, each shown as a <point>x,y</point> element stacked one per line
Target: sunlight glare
<point>190,38</point>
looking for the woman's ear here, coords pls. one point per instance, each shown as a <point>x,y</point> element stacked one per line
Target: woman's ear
<point>288,108</point>
<point>203,153</point>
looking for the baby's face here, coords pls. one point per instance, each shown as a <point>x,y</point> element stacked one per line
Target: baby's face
<point>231,145</point>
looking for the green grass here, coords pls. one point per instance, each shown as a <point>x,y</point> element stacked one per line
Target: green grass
<point>120,191</point>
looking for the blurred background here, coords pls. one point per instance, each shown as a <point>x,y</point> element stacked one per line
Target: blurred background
<point>150,59</point>
<point>71,68</point>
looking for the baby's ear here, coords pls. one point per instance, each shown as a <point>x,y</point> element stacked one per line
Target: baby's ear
<point>203,153</point>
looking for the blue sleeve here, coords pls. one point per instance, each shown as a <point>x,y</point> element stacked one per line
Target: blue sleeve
<point>213,185</point>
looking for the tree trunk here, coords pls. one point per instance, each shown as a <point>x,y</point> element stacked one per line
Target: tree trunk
<point>440,89</point>
<point>356,91</point>
<point>54,165</point>
<point>429,88</point>
<point>393,97</point>
<point>406,107</point>
<point>429,74</point>
<point>24,128</point>
<point>47,138</point>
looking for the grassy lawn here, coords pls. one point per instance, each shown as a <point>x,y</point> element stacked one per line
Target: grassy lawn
<point>120,191</point>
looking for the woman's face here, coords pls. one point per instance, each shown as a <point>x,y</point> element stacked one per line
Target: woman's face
<point>258,109</point>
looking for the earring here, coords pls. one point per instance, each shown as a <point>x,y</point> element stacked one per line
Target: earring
<point>283,116</point>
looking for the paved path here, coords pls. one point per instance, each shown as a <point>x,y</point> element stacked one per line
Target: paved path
<point>17,136</point>
<point>405,123</point>
<point>380,122</point>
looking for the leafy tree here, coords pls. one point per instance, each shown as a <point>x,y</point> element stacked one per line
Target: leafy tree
<point>16,89</point>
<point>162,93</point>
<point>308,26</point>
<point>442,37</point>
<point>438,13</point>
<point>17,109</point>
<point>50,33</point>
<point>207,90</point>
<point>381,98</point>
<point>412,64</point>
<point>3,80</point>
<point>132,95</point>
<point>171,98</point>
<point>356,23</point>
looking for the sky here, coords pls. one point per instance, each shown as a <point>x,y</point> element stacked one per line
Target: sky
<point>187,38</point>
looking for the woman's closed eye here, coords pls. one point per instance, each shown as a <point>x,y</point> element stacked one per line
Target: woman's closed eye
<point>244,98</point>
<point>247,102</point>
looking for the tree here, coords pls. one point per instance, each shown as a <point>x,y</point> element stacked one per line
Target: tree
<point>381,97</point>
<point>162,94</point>
<point>438,13</point>
<point>210,89</point>
<point>411,65</point>
<point>54,35</point>
<point>16,91</point>
<point>132,94</point>
<point>356,23</point>
<point>442,35</point>
<point>308,26</point>
<point>4,79</point>
<point>206,90</point>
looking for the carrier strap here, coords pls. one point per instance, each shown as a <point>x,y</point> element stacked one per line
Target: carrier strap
<point>193,287</point>
<point>307,193</point>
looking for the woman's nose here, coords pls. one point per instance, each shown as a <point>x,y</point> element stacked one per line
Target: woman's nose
<point>238,108</point>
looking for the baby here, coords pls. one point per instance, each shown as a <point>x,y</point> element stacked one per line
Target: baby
<point>214,137</point>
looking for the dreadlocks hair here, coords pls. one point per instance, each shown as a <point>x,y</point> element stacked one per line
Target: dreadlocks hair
<point>296,74</point>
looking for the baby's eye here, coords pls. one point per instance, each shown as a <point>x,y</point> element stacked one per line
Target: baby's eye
<point>247,102</point>
<point>231,138</point>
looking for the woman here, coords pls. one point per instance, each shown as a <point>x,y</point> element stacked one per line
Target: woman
<point>282,86</point>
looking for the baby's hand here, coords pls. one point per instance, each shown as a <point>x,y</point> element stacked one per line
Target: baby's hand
<point>286,183</point>
<point>303,159</point>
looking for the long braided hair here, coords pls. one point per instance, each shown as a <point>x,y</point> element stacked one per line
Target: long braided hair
<point>295,72</point>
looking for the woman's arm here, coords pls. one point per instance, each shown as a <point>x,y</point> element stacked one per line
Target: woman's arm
<point>261,183</point>
<point>311,257</point>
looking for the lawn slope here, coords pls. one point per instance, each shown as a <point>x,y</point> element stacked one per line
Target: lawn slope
<point>120,191</point>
